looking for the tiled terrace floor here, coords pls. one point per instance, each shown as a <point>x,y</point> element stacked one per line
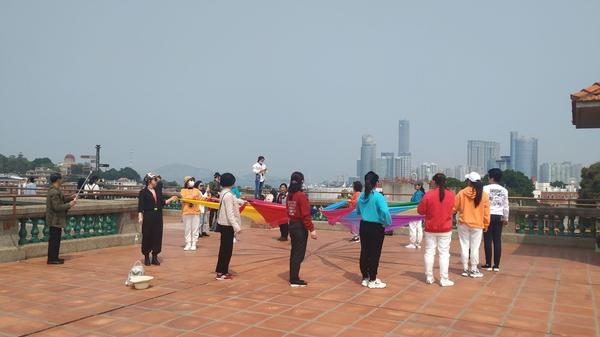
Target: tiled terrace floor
<point>541,291</point>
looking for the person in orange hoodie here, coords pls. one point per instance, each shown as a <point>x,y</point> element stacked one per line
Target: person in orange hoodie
<point>473,206</point>
<point>357,188</point>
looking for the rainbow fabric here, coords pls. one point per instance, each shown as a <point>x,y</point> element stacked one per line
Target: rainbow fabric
<point>402,215</point>
<point>246,210</point>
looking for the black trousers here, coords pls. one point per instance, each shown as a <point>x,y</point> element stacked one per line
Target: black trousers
<point>493,236</point>
<point>225,250</point>
<point>212,214</point>
<point>371,242</point>
<point>54,243</point>
<point>284,230</point>
<point>152,232</point>
<point>299,236</point>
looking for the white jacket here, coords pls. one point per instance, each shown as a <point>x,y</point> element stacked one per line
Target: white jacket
<point>229,211</point>
<point>498,196</point>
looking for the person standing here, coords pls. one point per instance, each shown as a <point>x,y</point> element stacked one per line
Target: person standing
<point>230,225</point>
<point>357,188</point>
<point>300,224</point>
<point>190,213</point>
<point>57,206</point>
<point>30,187</point>
<point>260,169</point>
<point>92,187</point>
<point>436,206</point>
<point>474,207</point>
<point>214,190</point>
<point>375,216</point>
<point>150,205</point>
<point>203,194</point>
<point>499,218</point>
<point>281,199</point>
<point>415,228</point>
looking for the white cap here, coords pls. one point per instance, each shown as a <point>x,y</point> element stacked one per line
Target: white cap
<point>473,177</point>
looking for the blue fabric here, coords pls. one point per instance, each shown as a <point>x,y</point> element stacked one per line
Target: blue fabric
<point>336,205</point>
<point>417,196</point>
<point>236,192</point>
<point>374,209</point>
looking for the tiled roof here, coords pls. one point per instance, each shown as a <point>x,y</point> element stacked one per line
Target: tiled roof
<point>591,93</point>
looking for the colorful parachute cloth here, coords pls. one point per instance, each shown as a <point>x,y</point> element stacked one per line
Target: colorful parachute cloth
<point>246,210</point>
<point>402,215</point>
<point>273,213</point>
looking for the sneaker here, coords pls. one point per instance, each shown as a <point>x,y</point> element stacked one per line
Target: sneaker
<point>205,234</point>
<point>411,246</point>
<point>446,283</point>
<point>465,273</point>
<point>194,247</point>
<point>430,280</point>
<point>364,282</point>
<point>496,269</point>
<point>418,246</point>
<point>355,239</point>
<point>475,273</point>
<point>377,284</point>
<point>223,277</point>
<point>487,267</point>
<point>298,284</point>
<point>187,247</point>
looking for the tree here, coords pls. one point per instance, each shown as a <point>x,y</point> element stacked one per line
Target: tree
<point>558,184</point>
<point>517,184</point>
<point>590,182</point>
<point>455,184</point>
<point>43,162</point>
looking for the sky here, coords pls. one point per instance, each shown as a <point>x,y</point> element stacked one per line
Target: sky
<point>214,84</point>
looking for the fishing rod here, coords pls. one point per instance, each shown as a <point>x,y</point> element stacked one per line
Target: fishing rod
<point>83,185</point>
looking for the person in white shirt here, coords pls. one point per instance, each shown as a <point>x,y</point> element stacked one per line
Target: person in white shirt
<point>92,186</point>
<point>260,169</point>
<point>499,209</point>
<point>30,187</point>
<point>203,223</point>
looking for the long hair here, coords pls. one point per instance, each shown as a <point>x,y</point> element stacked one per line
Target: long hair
<point>296,182</point>
<point>478,186</point>
<point>357,186</point>
<point>371,180</point>
<point>421,187</point>
<point>440,182</point>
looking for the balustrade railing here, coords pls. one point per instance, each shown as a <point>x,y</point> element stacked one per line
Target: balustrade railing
<point>34,230</point>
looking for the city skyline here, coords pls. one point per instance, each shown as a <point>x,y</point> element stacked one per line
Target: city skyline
<point>313,76</point>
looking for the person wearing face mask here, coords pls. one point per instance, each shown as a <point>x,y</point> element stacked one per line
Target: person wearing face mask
<point>190,213</point>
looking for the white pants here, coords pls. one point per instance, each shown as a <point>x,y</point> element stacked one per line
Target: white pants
<point>441,241</point>
<point>204,223</point>
<point>416,232</point>
<point>470,240</point>
<point>192,224</point>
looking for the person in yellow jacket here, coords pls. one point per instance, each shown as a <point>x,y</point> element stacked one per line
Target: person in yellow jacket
<point>190,213</point>
<point>473,206</point>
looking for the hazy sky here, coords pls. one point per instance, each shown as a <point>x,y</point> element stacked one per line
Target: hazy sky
<point>215,83</point>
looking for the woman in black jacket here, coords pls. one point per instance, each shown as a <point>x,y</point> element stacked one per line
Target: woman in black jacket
<point>150,205</point>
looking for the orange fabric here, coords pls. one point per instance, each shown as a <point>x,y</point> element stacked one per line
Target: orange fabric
<point>188,208</point>
<point>474,217</point>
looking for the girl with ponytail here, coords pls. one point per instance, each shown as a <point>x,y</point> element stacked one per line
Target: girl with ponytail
<point>436,206</point>
<point>300,225</point>
<point>474,207</point>
<point>375,216</point>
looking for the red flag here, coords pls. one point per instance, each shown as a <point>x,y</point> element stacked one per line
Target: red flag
<point>274,214</point>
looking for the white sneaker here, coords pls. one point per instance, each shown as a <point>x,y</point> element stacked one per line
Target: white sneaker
<point>377,284</point>
<point>187,246</point>
<point>465,273</point>
<point>446,283</point>
<point>418,246</point>
<point>496,269</point>
<point>194,247</point>
<point>430,280</point>
<point>475,273</point>
<point>411,246</point>
<point>365,282</point>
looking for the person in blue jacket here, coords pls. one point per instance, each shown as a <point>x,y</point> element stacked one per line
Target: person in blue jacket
<point>375,216</point>
<point>415,228</point>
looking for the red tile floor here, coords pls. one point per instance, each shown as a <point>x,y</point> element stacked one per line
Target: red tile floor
<point>541,291</point>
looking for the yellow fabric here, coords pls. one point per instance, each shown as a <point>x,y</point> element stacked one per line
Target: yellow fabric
<point>474,217</point>
<point>248,212</point>
<point>188,208</point>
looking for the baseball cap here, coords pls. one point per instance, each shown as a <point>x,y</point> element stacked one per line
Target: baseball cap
<point>473,177</point>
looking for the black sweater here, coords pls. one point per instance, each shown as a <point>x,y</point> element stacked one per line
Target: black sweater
<point>146,201</point>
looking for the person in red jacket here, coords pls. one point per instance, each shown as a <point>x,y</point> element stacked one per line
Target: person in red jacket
<point>300,225</point>
<point>437,206</point>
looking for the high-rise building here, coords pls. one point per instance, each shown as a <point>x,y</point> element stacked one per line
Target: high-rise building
<point>403,166</point>
<point>385,165</point>
<point>368,156</point>
<point>565,172</point>
<point>482,155</point>
<point>524,154</point>
<point>403,137</point>
<point>460,172</point>
<point>503,163</point>
<point>426,171</point>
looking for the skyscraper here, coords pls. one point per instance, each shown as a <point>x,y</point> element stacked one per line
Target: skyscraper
<point>426,171</point>
<point>482,155</point>
<point>403,137</point>
<point>385,165</point>
<point>368,156</point>
<point>524,154</point>
<point>403,166</point>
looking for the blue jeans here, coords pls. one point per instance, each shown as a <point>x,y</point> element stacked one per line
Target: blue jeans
<point>258,186</point>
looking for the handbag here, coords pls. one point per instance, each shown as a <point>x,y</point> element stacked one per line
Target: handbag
<point>136,270</point>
